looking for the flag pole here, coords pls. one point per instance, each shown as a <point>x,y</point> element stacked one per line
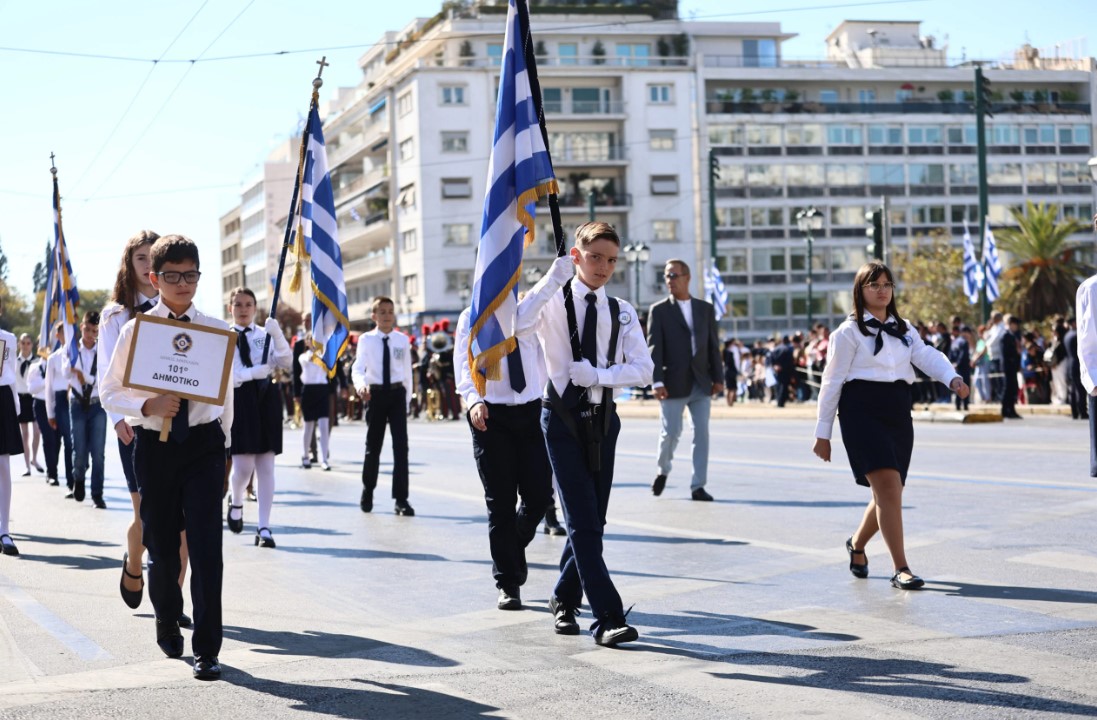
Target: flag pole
<point>294,202</point>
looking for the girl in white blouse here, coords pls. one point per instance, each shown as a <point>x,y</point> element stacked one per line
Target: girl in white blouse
<point>867,381</point>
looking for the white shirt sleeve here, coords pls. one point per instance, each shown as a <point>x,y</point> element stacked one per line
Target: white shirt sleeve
<point>932,362</point>
<point>358,369</point>
<point>1087,334</point>
<point>840,353</point>
<point>465,387</point>
<point>637,367</point>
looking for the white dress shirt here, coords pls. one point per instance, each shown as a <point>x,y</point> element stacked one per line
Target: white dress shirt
<point>57,380</point>
<point>312,373</point>
<point>543,310</point>
<point>8,370</point>
<point>686,306</point>
<point>1085,307</point>
<point>849,357</point>
<point>128,402</point>
<point>20,377</point>
<point>111,320</point>
<point>85,361</point>
<point>499,392</point>
<point>279,356</point>
<point>367,366</point>
<point>36,379</point>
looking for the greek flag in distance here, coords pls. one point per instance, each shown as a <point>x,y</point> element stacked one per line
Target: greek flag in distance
<point>991,263</point>
<point>62,297</point>
<point>715,290</point>
<point>973,275</point>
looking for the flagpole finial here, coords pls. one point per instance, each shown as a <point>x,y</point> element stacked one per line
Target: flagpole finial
<point>318,82</point>
<point>53,167</point>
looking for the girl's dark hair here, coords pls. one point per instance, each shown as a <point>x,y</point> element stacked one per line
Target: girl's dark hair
<point>125,284</point>
<point>869,272</point>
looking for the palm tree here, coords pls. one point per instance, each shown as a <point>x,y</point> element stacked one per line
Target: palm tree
<point>1046,271</point>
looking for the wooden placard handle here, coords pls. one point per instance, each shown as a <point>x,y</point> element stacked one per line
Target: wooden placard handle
<point>165,431</point>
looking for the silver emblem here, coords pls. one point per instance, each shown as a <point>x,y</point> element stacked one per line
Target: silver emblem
<point>624,318</point>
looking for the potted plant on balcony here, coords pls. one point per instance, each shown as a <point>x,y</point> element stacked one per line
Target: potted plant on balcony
<point>598,50</point>
<point>747,99</point>
<point>768,96</point>
<point>946,96</point>
<point>1017,96</point>
<point>680,46</point>
<point>662,49</point>
<point>466,52</point>
<point>1040,99</point>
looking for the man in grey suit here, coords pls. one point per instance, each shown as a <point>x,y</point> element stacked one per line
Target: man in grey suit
<point>689,370</point>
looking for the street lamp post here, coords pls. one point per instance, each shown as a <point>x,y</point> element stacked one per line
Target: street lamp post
<point>809,220</point>
<point>636,255</point>
<point>464,293</point>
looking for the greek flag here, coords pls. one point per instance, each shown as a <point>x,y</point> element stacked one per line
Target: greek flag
<point>318,240</point>
<point>520,172</point>
<point>61,298</point>
<point>993,267</point>
<point>973,272</point>
<point>715,290</point>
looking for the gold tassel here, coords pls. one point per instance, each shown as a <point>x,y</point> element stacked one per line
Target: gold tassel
<point>295,277</point>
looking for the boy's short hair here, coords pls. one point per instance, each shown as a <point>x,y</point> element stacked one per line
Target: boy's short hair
<point>91,317</point>
<point>588,232</point>
<point>173,249</point>
<point>680,263</point>
<point>378,301</point>
<point>241,290</point>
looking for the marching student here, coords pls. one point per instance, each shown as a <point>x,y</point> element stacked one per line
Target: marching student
<point>382,375</point>
<point>257,411</point>
<point>57,404</point>
<point>26,405</point>
<point>580,418</point>
<point>36,385</point>
<point>315,391</point>
<point>10,441</point>
<point>867,382</point>
<point>88,420</point>
<point>180,479</point>
<point>509,448</point>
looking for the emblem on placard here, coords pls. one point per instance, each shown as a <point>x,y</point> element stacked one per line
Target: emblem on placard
<point>182,343</point>
<point>624,318</point>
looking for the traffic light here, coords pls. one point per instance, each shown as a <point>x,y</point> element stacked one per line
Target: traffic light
<point>984,100</point>
<point>713,167</point>
<point>876,220</point>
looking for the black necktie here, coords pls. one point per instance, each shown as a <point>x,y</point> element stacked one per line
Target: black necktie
<point>589,344</point>
<point>180,424</point>
<point>146,306</point>
<point>244,346</point>
<point>891,328</point>
<point>514,366</point>
<point>23,365</point>
<point>386,363</point>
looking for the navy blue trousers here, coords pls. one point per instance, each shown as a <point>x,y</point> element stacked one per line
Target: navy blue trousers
<point>1092,436</point>
<point>51,439</point>
<point>64,432</point>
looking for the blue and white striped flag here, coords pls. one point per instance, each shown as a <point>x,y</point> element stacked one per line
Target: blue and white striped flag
<point>992,266</point>
<point>62,297</point>
<point>520,172</point>
<point>973,273</point>
<point>318,240</point>
<point>715,291</point>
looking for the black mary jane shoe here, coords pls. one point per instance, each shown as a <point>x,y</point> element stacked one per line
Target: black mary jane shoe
<point>914,583</point>
<point>8,547</point>
<point>859,570</point>
<point>132,598</point>
<point>237,526</point>
<point>262,540</point>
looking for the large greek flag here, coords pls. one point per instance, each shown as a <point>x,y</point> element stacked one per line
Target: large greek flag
<point>318,240</point>
<point>992,266</point>
<point>61,298</point>
<point>715,291</point>
<point>973,272</point>
<point>520,174</point>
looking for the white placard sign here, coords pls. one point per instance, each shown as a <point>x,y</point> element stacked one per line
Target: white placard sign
<point>184,359</point>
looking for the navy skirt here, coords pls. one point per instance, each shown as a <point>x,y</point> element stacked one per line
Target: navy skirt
<point>11,442</point>
<point>876,427</point>
<point>314,401</point>
<point>257,418</point>
<point>26,408</point>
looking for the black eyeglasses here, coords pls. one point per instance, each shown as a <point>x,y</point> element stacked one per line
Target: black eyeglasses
<point>877,287</point>
<point>172,277</point>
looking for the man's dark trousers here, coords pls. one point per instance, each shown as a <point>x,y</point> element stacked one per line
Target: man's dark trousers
<point>180,484</point>
<point>513,463</point>
<point>584,499</point>
<point>1092,436</point>
<point>387,405</point>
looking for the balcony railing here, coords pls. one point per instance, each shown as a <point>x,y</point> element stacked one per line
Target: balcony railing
<point>609,153</point>
<point>584,107</point>
<point>367,265</point>
<point>601,200</point>
<point>563,61</point>
<point>734,107</point>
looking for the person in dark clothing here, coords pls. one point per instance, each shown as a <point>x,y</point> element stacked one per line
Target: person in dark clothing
<point>960,355</point>
<point>784,364</point>
<point>1009,352</point>
<point>1076,392</point>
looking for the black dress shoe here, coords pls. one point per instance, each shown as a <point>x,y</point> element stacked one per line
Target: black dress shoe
<point>509,599</point>
<point>169,638</point>
<point>78,491</point>
<point>262,540</point>
<point>70,495</point>
<point>132,598</point>
<point>700,494</point>
<point>184,620</point>
<point>235,526</point>
<point>859,570</point>
<point>207,668</point>
<point>659,484</point>
<point>611,637</point>
<point>366,503</point>
<point>98,502</point>
<point>913,583</point>
<point>552,524</point>
<point>563,618</point>
<point>52,481</point>
<point>402,508</point>
<point>7,547</point>
<point>26,474</point>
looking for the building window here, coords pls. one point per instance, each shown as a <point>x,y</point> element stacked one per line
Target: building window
<point>763,134</point>
<point>406,199</point>
<point>403,104</point>
<point>963,175</point>
<point>765,176</point>
<point>725,134</point>
<point>885,135</point>
<point>455,142</point>
<point>552,99</point>
<point>457,235</point>
<point>664,184</point>
<point>664,230</point>
<point>407,149</point>
<point>844,134</point>
<point>1006,135</point>
<point>904,95</point>
<point>411,285</point>
<point>1074,174</point>
<point>845,175</point>
<point>456,187</point>
<point>760,53</point>
<point>804,175</point>
<point>885,174</point>
<point>495,54</point>
<point>847,216</point>
<point>409,240</point>
<point>828,96</point>
<point>921,174</point>
<point>453,94</point>
<point>928,214</point>
<point>1004,173</point>
<point>866,96</point>
<point>569,53</point>
<point>661,139</point>
<point>458,279</point>
<point>731,176</point>
<point>660,94</point>
<point>735,217</point>
<point>768,217</point>
<point>924,135</point>
<point>1076,135</point>
<point>633,54</point>
<point>804,134</point>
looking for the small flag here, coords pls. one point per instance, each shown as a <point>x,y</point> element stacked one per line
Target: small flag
<point>973,273</point>
<point>993,267</point>
<point>354,214</point>
<point>715,291</point>
<point>62,297</point>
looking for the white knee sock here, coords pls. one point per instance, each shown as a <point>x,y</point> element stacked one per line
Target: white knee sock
<point>306,437</point>
<point>264,472</point>
<point>324,431</point>
<point>5,493</point>
<point>242,466</point>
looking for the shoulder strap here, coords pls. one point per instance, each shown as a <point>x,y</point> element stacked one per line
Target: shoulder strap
<point>614,329</point>
<point>573,324</point>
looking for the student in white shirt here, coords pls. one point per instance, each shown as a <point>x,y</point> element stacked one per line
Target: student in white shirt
<point>89,420</point>
<point>10,441</point>
<point>57,404</point>
<point>867,382</point>
<point>315,406</point>
<point>26,405</point>
<point>257,411</point>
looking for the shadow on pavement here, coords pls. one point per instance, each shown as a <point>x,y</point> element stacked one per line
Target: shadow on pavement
<point>46,540</point>
<point>1011,592</point>
<point>72,562</point>
<point>318,503</point>
<point>817,504</point>
<point>312,643</point>
<point>658,628</point>
<point>298,530</point>
<point>363,554</point>
<point>663,539</point>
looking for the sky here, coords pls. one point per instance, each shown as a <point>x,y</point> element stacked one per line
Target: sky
<point>168,145</point>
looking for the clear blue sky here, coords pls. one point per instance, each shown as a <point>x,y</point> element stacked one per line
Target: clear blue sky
<point>195,133</point>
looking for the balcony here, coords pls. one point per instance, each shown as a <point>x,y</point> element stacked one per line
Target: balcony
<point>573,202</point>
<point>584,107</point>
<point>612,154</point>
<point>563,62</point>
<point>349,190</point>
<point>716,106</point>
<point>366,266</point>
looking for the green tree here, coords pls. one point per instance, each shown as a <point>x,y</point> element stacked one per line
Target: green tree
<point>92,300</point>
<point>930,276</point>
<point>41,271</point>
<point>3,266</point>
<point>1046,272</point>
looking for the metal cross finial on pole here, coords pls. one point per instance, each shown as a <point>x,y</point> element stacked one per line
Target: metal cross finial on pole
<point>53,168</point>
<point>323,64</point>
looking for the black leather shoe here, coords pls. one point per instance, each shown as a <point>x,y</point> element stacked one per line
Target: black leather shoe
<point>78,491</point>
<point>859,570</point>
<point>98,502</point>
<point>509,599</point>
<point>169,638</point>
<point>207,668</point>
<point>913,583</point>
<point>184,620</point>
<point>366,503</point>
<point>552,524</point>
<point>7,547</point>
<point>402,508</point>
<point>611,637</point>
<point>262,540</point>
<point>564,618</point>
<point>237,526</point>
<point>70,495</point>
<point>132,598</point>
<point>700,494</point>
<point>52,481</point>
<point>659,484</point>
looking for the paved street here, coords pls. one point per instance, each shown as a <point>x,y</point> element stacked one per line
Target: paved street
<point>745,607</point>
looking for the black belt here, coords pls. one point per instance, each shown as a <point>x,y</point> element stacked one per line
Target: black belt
<point>382,388</point>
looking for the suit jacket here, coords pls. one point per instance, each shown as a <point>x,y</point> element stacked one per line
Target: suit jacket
<point>676,365</point>
<point>1008,353</point>
<point>1070,344</point>
<point>784,357</point>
